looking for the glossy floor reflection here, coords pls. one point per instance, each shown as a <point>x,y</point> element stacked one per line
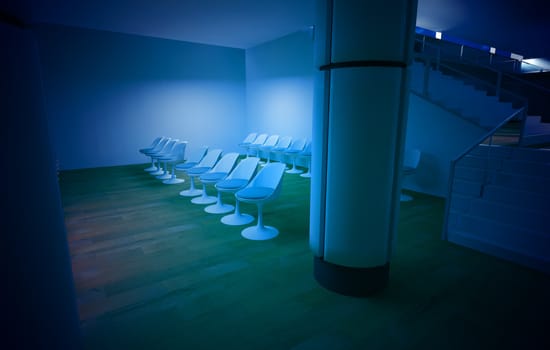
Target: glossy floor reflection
<point>153,271</point>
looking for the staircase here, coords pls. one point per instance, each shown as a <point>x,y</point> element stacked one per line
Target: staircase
<point>499,196</point>
<point>459,97</point>
<point>536,132</point>
<point>500,204</point>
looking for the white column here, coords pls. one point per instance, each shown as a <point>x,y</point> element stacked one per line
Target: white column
<point>363,50</point>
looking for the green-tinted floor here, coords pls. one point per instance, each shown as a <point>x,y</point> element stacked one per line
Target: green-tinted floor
<point>153,271</point>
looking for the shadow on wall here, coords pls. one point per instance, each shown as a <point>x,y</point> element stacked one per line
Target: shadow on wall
<point>428,174</point>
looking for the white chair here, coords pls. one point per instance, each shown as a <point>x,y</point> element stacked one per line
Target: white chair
<point>410,164</point>
<point>217,173</point>
<point>267,146</point>
<point>194,158</point>
<point>306,153</point>
<point>283,144</point>
<point>265,187</point>
<point>204,165</point>
<point>156,149</point>
<point>280,147</point>
<point>295,148</point>
<point>165,152</point>
<point>248,140</point>
<point>239,178</point>
<point>150,148</point>
<point>254,146</point>
<point>166,157</point>
<point>177,155</point>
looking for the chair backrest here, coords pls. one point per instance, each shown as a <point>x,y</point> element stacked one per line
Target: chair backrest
<point>250,137</point>
<point>169,146</point>
<point>270,176</point>
<point>156,142</point>
<point>245,169</point>
<point>260,140</point>
<point>226,163</point>
<point>178,152</point>
<point>197,154</point>
<point>160,145</point>
<point>412,158</point>
<point>271,140</point>
<point>307,150</point>
<point>284,142</point>
<point>210,158</point>
<point>298,144</point>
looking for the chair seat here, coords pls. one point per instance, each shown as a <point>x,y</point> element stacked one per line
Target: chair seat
<point>279,149</point>
<point>255,193</point>
<point>185,166</point>
<point>231,184</point>
<point>293,151</point>
<point>213,176</point>
<point>167,159</point>
<point>198,170</point>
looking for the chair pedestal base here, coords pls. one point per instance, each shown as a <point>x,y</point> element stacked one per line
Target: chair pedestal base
<point>306,175</point>
<point>259,233</point>
<point>173,181</point>
<point>157,173</point>
<point>294,171</point>
<point>191,193</point>
<point>204,199</point>
<point>164,176</point>
<point>406,198</point>
<point>237,219</point>
<point>150,169</point>
<point>219,208</point>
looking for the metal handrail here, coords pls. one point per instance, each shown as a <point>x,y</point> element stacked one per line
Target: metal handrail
<point>522,112</point>
<point>485,66</point>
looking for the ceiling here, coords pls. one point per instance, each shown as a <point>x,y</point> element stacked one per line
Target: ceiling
<point>518,26</point>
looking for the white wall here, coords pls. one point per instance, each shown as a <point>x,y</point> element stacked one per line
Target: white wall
<point>441,136</point>
<point>109,94</point>
<point>279,86</point>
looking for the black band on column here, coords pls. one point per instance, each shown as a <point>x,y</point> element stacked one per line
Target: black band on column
<point>366,63</point>
<point>352,281</point>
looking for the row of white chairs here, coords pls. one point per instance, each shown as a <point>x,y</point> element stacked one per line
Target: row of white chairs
<point>274,144</point>
<point>211,168</point>
<point>165,151</point>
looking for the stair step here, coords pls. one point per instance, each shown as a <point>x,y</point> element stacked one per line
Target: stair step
<point>541,263</point>
<point>535,139</point>
<point>512,215</point>
<point>480,162</point>
<point>461,203</point>
<point>526,167</point>
<point>469,173</point>
<point>495,151</point>
<point>534,155</point>
<point>467,188</point>
<point>521,199</point>
<point>518,239</point>
<point>537,184</point>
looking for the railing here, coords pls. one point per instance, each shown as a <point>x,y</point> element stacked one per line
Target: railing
<point>495,89</point>
<point>475,54</point>
<point>434,57</point>
<point>521,114</point>
<point>496,70</point>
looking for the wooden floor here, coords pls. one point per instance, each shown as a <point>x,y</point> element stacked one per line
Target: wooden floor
<point>153,271</point>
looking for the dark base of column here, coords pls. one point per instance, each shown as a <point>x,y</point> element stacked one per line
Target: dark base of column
<point>352,281</point>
